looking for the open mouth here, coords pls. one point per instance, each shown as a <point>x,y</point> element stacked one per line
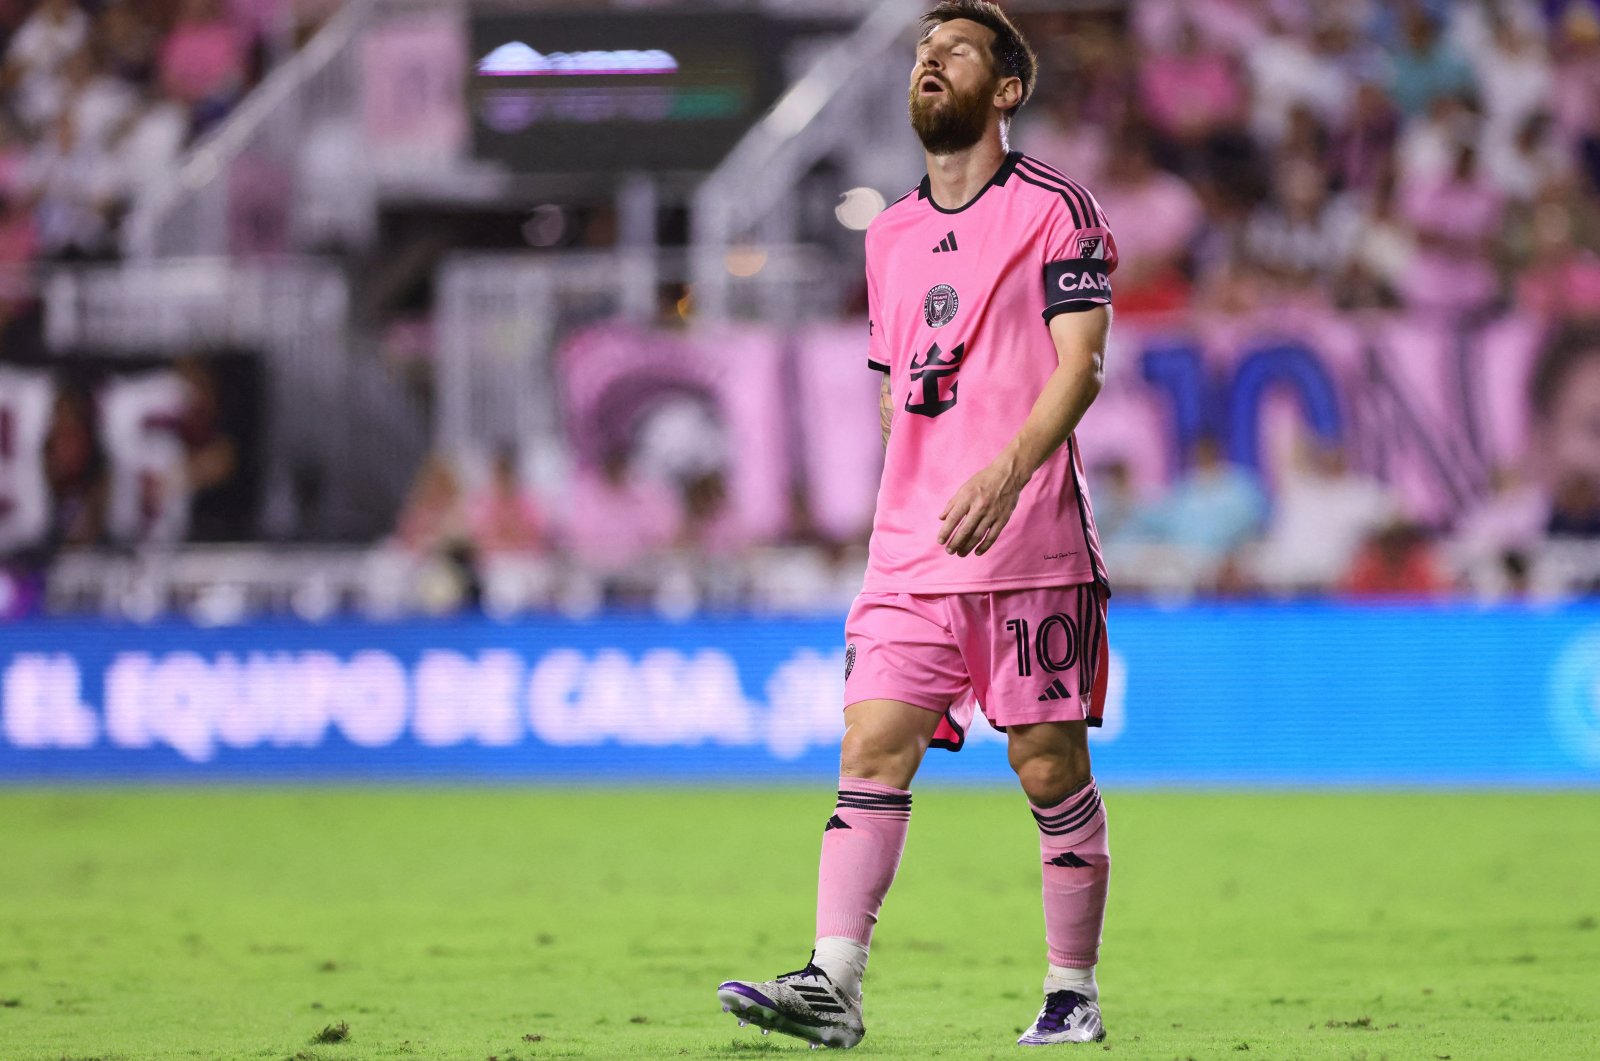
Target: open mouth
<point>931,86</point>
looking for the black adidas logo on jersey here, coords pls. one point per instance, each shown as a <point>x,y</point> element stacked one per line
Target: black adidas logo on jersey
<point>946,244</point>
<point>836,822</point>
<point>1056,691</point>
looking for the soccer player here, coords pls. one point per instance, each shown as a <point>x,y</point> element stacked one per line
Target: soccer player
<point>990,300</point>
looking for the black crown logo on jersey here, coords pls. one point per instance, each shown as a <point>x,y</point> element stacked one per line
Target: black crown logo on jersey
<point>931,370</point>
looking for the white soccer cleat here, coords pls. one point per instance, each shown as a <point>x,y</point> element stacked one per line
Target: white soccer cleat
<point>804,1004</point>
<point>1067,1017</point>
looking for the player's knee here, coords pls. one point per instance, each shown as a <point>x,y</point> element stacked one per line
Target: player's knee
<point>1049,779</point>
<point>879,755</point>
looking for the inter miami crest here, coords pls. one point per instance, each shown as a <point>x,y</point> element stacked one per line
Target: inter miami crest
<point>939,308</point>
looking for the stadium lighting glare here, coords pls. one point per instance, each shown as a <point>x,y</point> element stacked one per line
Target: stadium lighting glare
<point>858,206</point>
<point>745,262</point>
<point>546,226</point>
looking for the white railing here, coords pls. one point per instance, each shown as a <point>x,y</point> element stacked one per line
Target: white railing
<point>501,318</point>
<point>222,584</point>
<point>312,94</point>
<point>846,101</point>
<point>225,584</point>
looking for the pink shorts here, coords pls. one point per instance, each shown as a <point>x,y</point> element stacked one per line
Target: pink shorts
<point>1021,656</point>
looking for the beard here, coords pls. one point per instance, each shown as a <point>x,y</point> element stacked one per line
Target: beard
<point>950,122</point>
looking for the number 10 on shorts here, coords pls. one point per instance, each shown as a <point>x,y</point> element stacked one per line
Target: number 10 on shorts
<point>1054,643</point>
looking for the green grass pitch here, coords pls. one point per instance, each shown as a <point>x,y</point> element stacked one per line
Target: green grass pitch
<point>538,923</point>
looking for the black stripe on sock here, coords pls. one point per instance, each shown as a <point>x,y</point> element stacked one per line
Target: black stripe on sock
<point>1077,809</point>
<point>876,797</point>
<point>1069,819</point>
<point>1063,828</point>
<point>1069,805</point>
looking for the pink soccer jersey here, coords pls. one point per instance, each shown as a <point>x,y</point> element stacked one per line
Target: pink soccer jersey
<point>960,302</point>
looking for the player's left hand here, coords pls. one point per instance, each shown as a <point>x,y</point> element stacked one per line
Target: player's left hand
<point>979,511</point>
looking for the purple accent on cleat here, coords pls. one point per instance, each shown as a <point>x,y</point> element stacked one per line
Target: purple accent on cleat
<point>1067,1017</point>
<point>748,992</point>
<point>1057,1008</point>
<point>804,1004</point>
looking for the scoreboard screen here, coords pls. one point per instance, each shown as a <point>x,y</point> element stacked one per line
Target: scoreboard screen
<point>608,91</point>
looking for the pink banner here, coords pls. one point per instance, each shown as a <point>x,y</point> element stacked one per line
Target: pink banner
<point>1436,411</point>
<point>1444,415</point>
<point>413,87</point>
<point>681,406</point>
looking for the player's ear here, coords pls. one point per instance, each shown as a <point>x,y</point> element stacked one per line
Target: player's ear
<point>1008,93</point>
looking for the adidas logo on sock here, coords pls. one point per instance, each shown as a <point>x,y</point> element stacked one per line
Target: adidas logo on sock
<point>1056,691</point>
<point>1068,860</point>
<point>946,244</point>
<point>836,822</point>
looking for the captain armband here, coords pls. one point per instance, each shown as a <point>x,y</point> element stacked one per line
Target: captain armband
<point>1076,285</point>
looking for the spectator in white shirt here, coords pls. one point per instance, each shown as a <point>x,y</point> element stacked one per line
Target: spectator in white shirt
<point>32,71</point>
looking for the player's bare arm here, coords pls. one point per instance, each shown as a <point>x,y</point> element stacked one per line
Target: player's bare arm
<point>885,407</point>
<point>980,510</point>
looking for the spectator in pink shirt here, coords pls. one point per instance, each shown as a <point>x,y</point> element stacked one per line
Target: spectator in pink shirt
<point>1563,279</point>
<point>1189,93</point>
<point>1456,221</point>
<point>1158,217</point>
<point>19,245</point>
<point>502,517</point>
<point>616,518</point>
<point>205,58</point>
<point>1576,99</point>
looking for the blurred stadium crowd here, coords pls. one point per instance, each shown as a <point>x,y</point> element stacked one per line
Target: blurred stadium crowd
<point>1432,157</point>
<point>102,96</point>
<point>1441,158</point>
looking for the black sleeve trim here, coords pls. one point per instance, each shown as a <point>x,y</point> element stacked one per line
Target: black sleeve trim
<point>1075,306</point>
<point>877,366</point>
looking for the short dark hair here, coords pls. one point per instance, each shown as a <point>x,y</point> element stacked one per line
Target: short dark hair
<point>1010,52</point>
<point>1571,345</point>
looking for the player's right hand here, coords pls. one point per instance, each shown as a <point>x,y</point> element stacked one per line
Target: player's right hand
<point>980,510</point>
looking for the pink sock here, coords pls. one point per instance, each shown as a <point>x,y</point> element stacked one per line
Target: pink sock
<point>1077,871</point>
<point>861,847</point>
